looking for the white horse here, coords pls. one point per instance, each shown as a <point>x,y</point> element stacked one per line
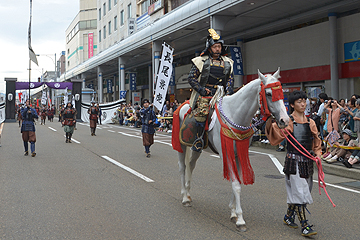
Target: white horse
<point>239,108</point>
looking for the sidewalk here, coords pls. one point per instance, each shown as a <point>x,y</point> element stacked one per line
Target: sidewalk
<point>336,168</point>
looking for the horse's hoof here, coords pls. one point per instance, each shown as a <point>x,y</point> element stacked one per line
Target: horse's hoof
<point>241,228</point>
<point>233,219</point>
<point>186,204</point>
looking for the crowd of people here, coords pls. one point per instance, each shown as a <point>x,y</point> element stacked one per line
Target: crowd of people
<point>338,124</point>
<point>130,115</point>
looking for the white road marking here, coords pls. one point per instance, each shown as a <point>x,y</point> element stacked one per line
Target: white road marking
<point>52,129</point>
<point>128,169</point>
<point>272,157</point>
<point>73,140</point>
<point>111,131</point>
<point>339,187</point>
<point>98,127</point>
<point>85,124</point>
<point>274,160</point>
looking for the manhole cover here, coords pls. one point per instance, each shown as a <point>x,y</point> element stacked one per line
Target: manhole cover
<point>355,184</point>
<point>274,176</point>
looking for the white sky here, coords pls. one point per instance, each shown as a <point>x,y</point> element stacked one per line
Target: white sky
<point>50,19</point>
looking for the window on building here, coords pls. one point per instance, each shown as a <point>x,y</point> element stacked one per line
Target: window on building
<point>115,23</point>
<point>99,14</point>
<point>99,35</point>
<point>144,7</point>
<point>109,27</point>
<point>104,32</point>
<point>115,2</point>
<point>104,9</point>
<point>109,5</point>
<point>129,11</point>
<point>122,17</point>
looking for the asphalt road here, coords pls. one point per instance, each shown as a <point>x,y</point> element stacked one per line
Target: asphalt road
<point>74,191</point>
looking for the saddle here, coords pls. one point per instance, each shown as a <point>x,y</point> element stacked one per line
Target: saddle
<point>188,131</point>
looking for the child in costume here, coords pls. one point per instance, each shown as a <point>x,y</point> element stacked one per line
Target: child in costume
<point>298,169</point>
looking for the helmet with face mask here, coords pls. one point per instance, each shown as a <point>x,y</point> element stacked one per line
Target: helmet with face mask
<point>212,39</point>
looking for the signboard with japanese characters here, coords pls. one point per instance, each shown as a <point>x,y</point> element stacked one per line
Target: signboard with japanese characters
<point>163,75</point>
<point>109,85</point>
<point>238,63</point>
<point>132,81</point>
<point>131,26</point>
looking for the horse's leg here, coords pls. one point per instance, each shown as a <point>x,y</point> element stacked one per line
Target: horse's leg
<point>240,223</point>
<point>182,169</point>
<point>232,206</point>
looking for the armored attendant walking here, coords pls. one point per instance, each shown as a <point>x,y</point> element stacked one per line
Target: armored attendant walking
<point>69,120</point>
<point>94,113</point>
<point>28,128</point>
<point>148,118</point>
<point>298,169</point>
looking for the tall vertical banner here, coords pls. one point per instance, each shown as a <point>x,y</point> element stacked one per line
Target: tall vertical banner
<point>44,98</point>
<point>32,54</point>
<point>90,45</point>
<point>238,62</point>
<point>163,75</point>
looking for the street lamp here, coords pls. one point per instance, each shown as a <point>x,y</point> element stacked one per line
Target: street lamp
<point>54,61</point>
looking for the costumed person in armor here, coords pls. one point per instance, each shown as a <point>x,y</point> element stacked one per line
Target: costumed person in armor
<point>43,115</point>
<point>28,115</point>
<point>209,71</point>
<point>69,120</point>
<point>18,112</point>
<point>94,113</point>
<point>148,119</point>
<point>298,169</point>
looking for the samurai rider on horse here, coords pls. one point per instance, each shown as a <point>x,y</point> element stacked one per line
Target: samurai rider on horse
<point>209,71</point>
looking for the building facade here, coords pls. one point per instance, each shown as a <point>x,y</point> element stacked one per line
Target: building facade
<point>81,35</point>
<point>315,44</point>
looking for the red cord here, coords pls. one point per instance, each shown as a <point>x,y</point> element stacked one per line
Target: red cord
<point>317,160</point>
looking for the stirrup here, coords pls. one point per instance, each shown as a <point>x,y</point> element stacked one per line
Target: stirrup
<point>198,145</point>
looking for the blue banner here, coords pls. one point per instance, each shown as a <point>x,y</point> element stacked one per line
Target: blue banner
<point>109,85</point>
<point>132,81</point>
<point>238,62</point>
<point>352,51</point>
<point>172,78</point>
<point>122,94</point>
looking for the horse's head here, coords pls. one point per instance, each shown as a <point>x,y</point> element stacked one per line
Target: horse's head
<point>271,98</point>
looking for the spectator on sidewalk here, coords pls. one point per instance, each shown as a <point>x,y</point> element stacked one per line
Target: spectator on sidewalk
<point>340,152</point>
<point>357,119</point>
<point>352,109</point>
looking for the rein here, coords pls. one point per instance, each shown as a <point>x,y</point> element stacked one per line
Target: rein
<point>317,160</point>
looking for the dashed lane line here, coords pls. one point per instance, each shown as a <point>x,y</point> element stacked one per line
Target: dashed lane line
<point>75,141</point>
<point>52,129</point>
<point>146,179</point>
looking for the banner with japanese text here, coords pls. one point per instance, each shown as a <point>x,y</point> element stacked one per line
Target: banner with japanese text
<point>238,62</point>
<point>163,75</point>
<point>133,81</point>
<point>90,45</point>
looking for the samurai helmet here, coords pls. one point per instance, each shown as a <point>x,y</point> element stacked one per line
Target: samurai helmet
<point>211,40</point>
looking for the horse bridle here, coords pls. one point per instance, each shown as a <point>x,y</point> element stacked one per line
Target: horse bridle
<point>277,94</point>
